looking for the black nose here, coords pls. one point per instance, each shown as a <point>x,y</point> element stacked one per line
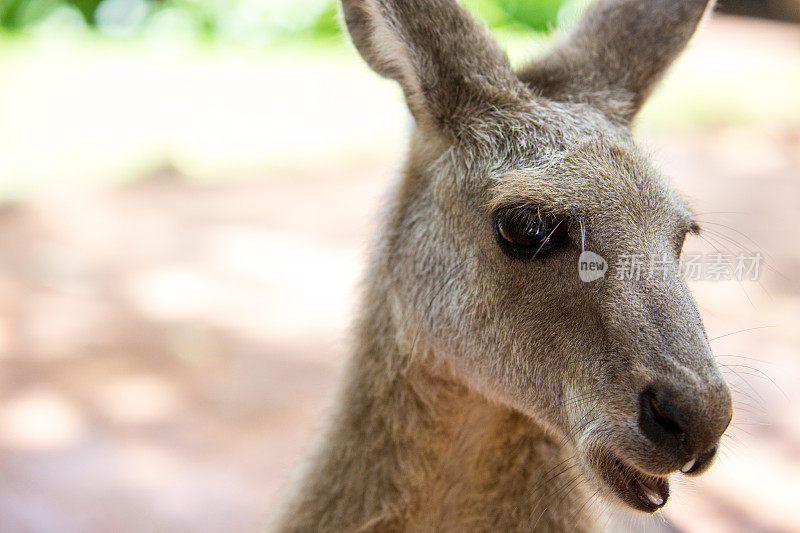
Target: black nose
<point>686,423</point>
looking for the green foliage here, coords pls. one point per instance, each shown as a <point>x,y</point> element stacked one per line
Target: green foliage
<point>327,23</point>
<point>257,20</point>
<point>15,14</point>
<point>490,11</point>
<point>86,7</point>
<point>540,15</point>
<point>19,15</point>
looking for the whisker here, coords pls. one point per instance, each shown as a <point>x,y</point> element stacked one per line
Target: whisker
<point>712,234</point>
<point>745,357</point>
<point>706,239</point>
<point>740,331</point>
<point>758,374</point>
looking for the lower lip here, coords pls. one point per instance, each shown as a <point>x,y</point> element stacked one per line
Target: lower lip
<point>643,491</point>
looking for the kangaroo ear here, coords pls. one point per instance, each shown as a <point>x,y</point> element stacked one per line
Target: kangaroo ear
<point>616,53</point>
<point>446,63</point>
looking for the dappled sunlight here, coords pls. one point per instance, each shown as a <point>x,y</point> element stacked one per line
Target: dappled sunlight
<point>175,293</point>
<point>133,400</point>
<point>296,270</point>
<point>230,264</point>
<point>57,326</point>
<point>155,339</point>
<point>40,421</point>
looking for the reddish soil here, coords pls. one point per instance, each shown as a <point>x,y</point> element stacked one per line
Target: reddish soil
<point>167,349</point>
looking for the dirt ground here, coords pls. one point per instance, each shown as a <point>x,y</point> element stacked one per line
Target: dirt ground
<point>167,348</point>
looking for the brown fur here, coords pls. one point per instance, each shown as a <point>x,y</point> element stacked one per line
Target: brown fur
<point>481,387</point>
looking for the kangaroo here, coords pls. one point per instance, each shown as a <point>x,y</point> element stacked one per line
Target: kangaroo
<point>490,388</point>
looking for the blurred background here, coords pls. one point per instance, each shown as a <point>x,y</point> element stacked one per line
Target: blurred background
<point>187,189</point>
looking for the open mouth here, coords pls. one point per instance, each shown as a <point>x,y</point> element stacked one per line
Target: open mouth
<point>642,491</point>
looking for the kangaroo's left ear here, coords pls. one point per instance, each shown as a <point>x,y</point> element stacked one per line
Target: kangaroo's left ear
<point>616,53</point>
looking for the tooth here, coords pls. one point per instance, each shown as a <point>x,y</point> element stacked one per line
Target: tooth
<point>688,466</point>
<point>652,496</point>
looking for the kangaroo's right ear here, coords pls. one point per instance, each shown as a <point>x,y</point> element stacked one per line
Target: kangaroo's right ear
<point>448,66</point>
<point>616,53</point>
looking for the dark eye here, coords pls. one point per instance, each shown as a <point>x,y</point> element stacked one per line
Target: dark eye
<point>526,232</point>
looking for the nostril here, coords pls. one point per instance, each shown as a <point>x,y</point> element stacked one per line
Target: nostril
<point>660,420</point>
<point>666,417</point>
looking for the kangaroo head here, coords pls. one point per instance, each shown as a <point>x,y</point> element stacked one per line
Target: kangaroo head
<point>511,176</point>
